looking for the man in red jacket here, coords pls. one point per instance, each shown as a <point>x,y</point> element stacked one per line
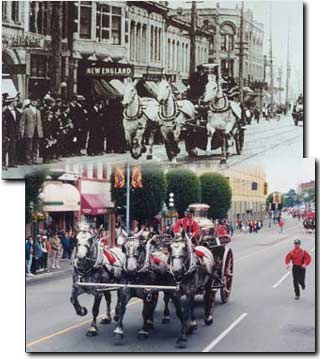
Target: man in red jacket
<point>300,259</point>
<point>187,224</point>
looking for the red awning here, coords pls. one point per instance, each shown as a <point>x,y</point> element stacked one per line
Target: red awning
<point>95,204</point>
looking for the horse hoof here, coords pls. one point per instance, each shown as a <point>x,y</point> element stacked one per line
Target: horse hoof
<point>82,312</point>
<point>223,161</point>
<point>208,321</point>
<point>92,332</point>
<point>149,157</point>
<point>150,325</point>
<point>165,320</point>
<point>181,342</point>
<point>143,335</point>
<point>118,338</point>
<point>106,320</point>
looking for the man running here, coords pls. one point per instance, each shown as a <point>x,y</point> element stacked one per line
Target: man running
<point>300,259</point>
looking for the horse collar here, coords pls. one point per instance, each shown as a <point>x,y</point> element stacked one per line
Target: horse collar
<point>137,116</point>
<point>169,118</point>
<point>224,108</point>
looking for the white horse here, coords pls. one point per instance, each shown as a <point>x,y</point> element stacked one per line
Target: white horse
<point>173,113</point>
<point>222,114</point>
<point>137,115</point>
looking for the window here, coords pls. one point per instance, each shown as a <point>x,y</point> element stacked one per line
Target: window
<point>15,11</point>
<point>85,19</point>
<point>4,10</point>
<point>254,186</point>
<point>108,26</point>
<point>227,38</point>
<point>39,66</point>
<point>39,17</point>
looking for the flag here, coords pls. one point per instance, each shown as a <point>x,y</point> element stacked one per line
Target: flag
<point>119,178</point>
<point>136,179</point>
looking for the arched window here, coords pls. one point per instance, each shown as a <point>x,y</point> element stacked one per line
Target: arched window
<point>227,37</point>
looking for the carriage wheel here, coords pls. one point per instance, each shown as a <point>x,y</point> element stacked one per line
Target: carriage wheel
<point>227,275</point>
<point>239,141</point>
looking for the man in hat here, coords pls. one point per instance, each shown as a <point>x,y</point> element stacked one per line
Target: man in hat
<point>187,224</point>
<point>300,259</point>
<point>79,117</point>
<point>31,130</point>
<point>10,122</point>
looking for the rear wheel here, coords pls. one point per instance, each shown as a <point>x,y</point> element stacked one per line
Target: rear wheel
<point>227,275</point>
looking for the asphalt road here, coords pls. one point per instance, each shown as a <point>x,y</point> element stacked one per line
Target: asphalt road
<point>262,142</point>
<point>261,316</point>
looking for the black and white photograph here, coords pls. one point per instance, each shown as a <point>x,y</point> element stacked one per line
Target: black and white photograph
<point>143,81</point>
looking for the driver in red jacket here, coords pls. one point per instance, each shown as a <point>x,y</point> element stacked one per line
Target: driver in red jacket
<point>300,258</point>
<point>187,224</point>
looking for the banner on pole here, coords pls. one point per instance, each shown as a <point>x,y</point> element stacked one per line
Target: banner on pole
<point>136,179</point>
<point>119,178</point>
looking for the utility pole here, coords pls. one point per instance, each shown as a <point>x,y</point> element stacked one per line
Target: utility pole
<point>218,42</point>
<point>193,30</point>
<point>288,69</point>
<point>271,59</point>
<point>241,53</point>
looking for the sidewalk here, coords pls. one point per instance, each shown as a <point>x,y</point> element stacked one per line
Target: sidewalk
<point>65,267</point>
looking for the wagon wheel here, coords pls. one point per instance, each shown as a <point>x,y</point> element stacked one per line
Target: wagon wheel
<point>239,141</point>
<point>227,275</point>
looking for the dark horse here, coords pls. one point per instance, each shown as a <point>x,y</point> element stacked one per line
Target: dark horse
<point>93,264</point>
<point>195,276</point>
<point>143,265</point>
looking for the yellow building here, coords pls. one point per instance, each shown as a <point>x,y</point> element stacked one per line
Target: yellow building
<point>249,190</point>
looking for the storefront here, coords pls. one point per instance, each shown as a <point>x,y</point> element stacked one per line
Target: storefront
<point>61,201</point>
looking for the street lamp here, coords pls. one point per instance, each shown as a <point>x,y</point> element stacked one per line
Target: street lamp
<point>171,200</point>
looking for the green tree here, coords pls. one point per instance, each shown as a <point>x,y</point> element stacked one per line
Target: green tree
<point>216,192</point>
<point>185,186</point>
<point>33,184</point>
<point>145,202</point>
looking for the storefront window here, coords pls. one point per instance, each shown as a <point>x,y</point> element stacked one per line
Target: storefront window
<point>85,19</point>
<point>39,66</point>
<point>109,24</point>
<point>227,38</point>
<point>39,17</point>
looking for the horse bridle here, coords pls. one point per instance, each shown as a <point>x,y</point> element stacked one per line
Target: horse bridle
<point>95,241</point>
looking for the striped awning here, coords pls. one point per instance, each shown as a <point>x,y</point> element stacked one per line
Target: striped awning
<point>60,197</point>
<point>95,204</point>
<point>105,89</point>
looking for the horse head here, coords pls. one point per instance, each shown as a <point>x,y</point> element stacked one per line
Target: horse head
<point>133,249</point>
<point>212,89</point>
<point>178,254</point>
<point>87,249</point>
<point>164,91</point>
<point>130,92</point>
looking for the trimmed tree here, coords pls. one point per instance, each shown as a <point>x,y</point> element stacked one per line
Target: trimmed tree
<point>33,185</point>
<point>216,192</point>
<point>185,186</point>
<point>145,202</point>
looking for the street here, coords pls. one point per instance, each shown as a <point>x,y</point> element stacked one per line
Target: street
<point>261,316</point>
<point>263,142</point>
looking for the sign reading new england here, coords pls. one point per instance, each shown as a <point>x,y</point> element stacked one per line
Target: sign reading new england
<point>110,70</point>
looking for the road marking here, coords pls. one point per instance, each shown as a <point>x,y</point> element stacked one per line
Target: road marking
<point>66,330</point>
<point>281,280</point>
<point>223,334</point>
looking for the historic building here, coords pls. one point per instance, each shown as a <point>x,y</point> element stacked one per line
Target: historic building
<point>224,25</point>
<point>249,190</point>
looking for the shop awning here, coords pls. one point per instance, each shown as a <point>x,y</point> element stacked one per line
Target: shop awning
<point>95,204</point>
<point>60,197</point>
<point>152,87</point>
<point>105,89</point>
<point>7,86</point>
<point>118,85</point>
<point>247,89</point>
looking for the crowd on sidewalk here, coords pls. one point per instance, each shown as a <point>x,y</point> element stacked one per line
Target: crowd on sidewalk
<point>45,251</point>
<point>45,130</point>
